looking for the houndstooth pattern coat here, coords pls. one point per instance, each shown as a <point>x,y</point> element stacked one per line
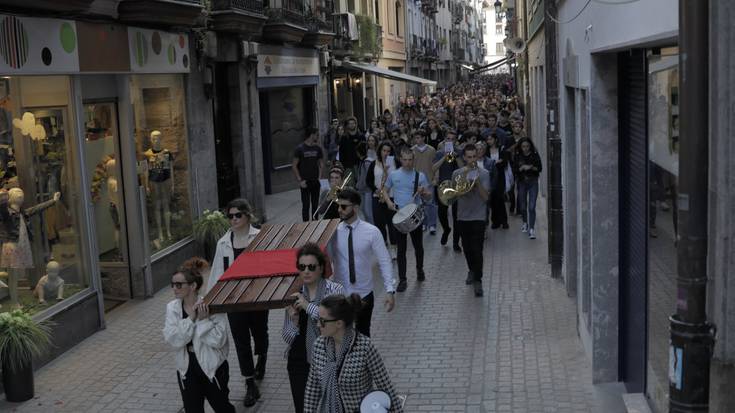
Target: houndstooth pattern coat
<point>362,372</point>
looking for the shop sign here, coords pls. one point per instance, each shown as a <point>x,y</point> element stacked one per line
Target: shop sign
<point>155,51</point>
<point>37,46</point>
<point>290,62</point>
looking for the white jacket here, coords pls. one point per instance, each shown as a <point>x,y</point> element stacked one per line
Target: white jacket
<point>210,339</point>
<point>224,249</point>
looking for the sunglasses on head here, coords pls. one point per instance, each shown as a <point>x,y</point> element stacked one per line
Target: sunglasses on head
<point>237,215</point>
<point>302,267</point>
<point>323,321</point>
<point>177,285</point>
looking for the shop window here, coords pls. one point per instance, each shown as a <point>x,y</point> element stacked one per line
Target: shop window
<point>163,159</point>
<point>41,255</point>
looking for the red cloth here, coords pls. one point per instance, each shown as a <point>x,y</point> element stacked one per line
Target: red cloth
<point>271,263</point>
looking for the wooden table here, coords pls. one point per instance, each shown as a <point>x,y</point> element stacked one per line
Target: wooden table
<point>265,293</point>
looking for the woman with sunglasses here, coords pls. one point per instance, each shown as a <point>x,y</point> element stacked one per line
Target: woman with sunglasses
<point>300,327</point>
<point>243,324</point>
<point>200,341</point>
<point>345,364</point>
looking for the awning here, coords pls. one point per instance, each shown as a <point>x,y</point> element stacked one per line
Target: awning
<point>493,65</point>
<point>468,67</point>
<point>386,73</point>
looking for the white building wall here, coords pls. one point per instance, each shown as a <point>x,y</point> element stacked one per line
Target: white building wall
<point>492,38</point>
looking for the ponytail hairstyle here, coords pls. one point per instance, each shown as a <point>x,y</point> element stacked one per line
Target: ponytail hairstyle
<point>342,307</point>
<point>194,269</point>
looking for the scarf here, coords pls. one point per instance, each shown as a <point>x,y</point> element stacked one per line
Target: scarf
<point>312,328</point>
<point>331,399</point>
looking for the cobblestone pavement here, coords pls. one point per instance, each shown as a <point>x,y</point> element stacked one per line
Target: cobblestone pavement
<point>515,350</point>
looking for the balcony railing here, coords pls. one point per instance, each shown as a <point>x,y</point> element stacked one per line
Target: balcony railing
<point>320,17</point>
<point>253,6</point>
<point>285,11</point>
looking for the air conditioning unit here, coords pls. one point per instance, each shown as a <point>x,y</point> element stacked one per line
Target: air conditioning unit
<point>249,49</point>
<point>324,60</point>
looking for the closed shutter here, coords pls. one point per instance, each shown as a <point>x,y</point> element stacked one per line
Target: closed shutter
<point>633,220</point>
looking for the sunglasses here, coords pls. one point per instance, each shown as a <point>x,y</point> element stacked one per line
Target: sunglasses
<point>311,267</point>
<point>237,215</point>
<point>179,285</point>
<point>343,206</point>
<point>323,321</point>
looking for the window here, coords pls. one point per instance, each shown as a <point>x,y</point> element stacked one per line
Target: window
<point>499,49</point>
<point>498,29</point>
<point>42,246</point>
<point>398,18</point>
<point>377,12</point>
<point>351,6</point>
<point>163,164</point>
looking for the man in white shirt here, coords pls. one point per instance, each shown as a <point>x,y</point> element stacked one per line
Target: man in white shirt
<point>353,249</point>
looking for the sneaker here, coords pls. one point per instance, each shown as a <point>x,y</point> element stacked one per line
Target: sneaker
<point>423,228</point>
<point>432,230</point>
<point>478,289</point>
<point>402,285</point>
<point>445,236</point>
<point>420,276</point>
<point>470,278</point>
<point>532,233</point>
<point>524,227</point>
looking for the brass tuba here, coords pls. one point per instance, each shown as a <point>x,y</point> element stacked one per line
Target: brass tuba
<point>450,190</point>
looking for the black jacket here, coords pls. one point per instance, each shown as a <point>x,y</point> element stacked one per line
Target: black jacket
<point>532,159</point>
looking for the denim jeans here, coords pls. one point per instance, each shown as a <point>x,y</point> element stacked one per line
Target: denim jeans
<point>367,207</point>
<point>430,210</point>
<point>527,194</point>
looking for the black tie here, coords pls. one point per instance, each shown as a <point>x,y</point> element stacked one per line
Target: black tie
<point>351,256</point>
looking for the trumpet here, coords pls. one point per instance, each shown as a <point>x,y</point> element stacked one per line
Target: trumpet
<point>451,157</point>
<point>450,190</point>
<point>332,195</point>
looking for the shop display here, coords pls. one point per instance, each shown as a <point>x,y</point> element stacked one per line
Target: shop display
<point>160,183</point>
<point>50,285</point>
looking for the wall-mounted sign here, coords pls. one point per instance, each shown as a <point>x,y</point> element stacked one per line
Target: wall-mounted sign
<point>32,45</point>
<point>154,51</point>
<point>287,62</point>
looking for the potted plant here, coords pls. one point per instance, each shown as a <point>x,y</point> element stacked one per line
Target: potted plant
<point>21,339</point>
<point>208,229</point>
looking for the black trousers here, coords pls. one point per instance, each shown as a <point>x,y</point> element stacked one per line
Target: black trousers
<point>309,197</point>
<point>417,239</point>
<point>365,315</point>
<point>512,198</point>
<point>196,387</point>
<point>444,220</point>
<point>244,325</point>
<point>473,240</point>
<point>383,216</point>
<point>498,214</point>
<point>298,373</point>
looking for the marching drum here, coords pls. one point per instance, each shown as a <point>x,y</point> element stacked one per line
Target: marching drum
<point>408,218</point>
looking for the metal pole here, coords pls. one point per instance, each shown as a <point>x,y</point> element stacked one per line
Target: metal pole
<point>554,205</point>
<point>692,337</point>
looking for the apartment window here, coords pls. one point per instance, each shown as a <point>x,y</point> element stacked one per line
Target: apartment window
<point>498,29</point>
<point>351,6</point>
<point>377,12</point>
<point>398,18</point>
<point>499,49</point>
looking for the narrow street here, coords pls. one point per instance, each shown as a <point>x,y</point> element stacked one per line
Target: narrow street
<point>515,350</point>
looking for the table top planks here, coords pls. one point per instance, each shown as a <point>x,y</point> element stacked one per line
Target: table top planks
<point>257,294</point>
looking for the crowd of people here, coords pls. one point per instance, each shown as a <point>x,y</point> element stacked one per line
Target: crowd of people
<point>462,149</point>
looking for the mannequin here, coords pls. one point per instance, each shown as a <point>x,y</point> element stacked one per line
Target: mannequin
<point>114,197</point>
<point>16,255</point>
<point>160,182</point>
<point>50,284</point>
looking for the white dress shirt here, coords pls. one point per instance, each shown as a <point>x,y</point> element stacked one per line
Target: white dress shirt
<point>367,246</point>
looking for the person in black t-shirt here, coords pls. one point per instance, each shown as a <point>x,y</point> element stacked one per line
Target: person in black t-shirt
<point>307,166</point>
<point>348,144</point>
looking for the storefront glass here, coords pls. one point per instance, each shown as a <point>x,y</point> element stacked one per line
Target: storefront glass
<point>40,202</point>
<point>163,161</point>
<point>663,172</point>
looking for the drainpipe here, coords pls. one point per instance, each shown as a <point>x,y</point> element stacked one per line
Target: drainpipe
<point>692,337</point>
<point>554,206</point>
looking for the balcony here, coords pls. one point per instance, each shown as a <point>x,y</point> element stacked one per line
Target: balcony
<point>286,21</point>
<point>459,54</point>
<point>245,17</point>
<point>319,24</point>
<point>160,12</point>
<point>429,6</point>
<point>53,6</point>
<point>370,43</point>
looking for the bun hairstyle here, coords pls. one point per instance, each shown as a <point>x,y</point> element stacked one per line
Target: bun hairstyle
<point>313,250</point>
<point>342,307</point>
<point>193,270</point>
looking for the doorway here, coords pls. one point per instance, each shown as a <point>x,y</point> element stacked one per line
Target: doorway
<point>102,163</point>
